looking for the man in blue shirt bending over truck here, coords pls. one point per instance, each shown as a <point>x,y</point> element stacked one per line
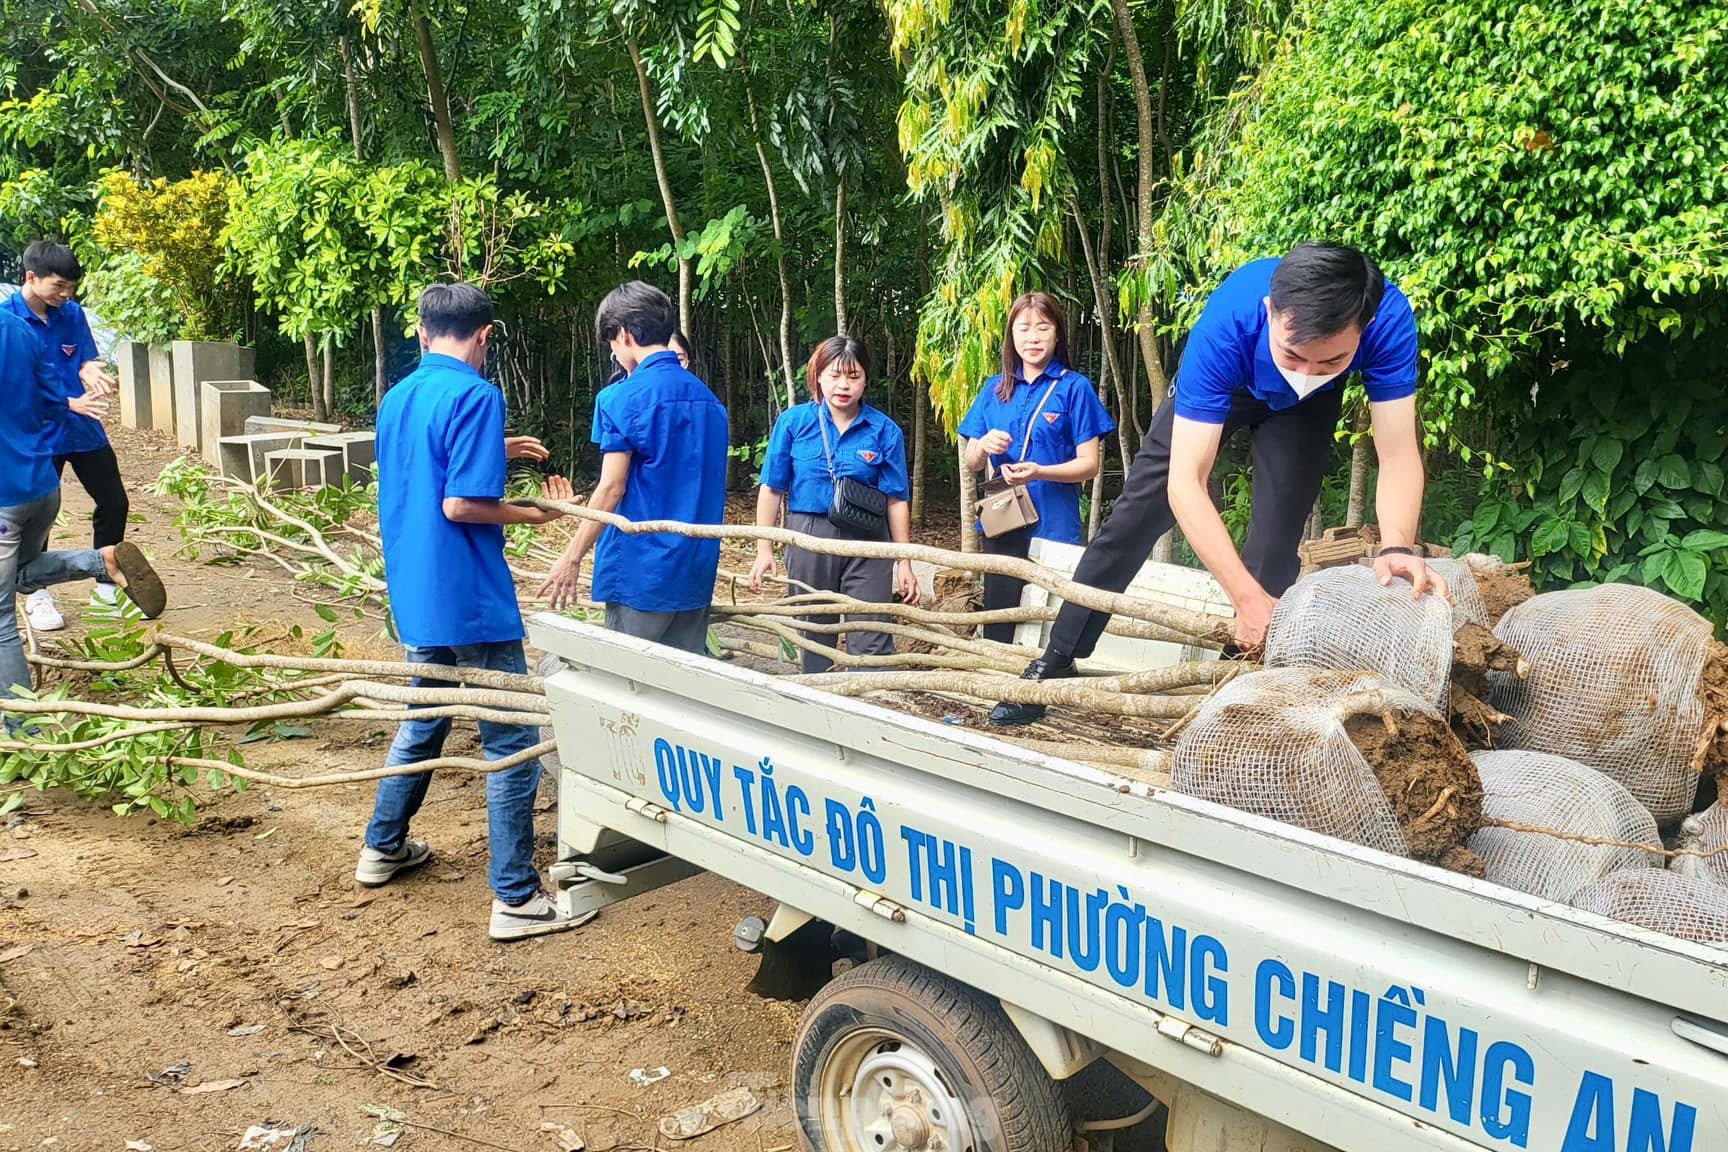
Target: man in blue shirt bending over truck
<point>663,439</point>
<point>1269,354</point>
<point>441,513</point>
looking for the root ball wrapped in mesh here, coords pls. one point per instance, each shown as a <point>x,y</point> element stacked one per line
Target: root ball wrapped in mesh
<point>1661,900</point>
<point>1616,681</point>
<point>1484,588</point>
<point>1346,754</point>
<point>1345,619</point>
<point>1589,825</point>
<point>1704,837</point>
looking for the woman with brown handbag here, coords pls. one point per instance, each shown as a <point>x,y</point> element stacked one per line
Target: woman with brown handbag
<point>838,466</point>
<point>1037,430</point>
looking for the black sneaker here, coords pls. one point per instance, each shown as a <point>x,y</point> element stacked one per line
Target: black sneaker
<point>1044,668</point>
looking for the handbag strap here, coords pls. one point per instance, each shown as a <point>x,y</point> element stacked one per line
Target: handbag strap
<point>1026,443</point>
<point>827,452</point>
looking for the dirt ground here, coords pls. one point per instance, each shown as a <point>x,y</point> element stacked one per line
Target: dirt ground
<point>173,987</point>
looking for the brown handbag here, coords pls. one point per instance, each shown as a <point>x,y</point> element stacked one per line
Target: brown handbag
<point>1004,507</point>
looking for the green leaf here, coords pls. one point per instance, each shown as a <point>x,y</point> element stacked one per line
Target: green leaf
<point>1705,540</point>
<point>1551,537</point>
<point>1707,477</point>
<point>1672,472</point>
<point>325,613</point>
<point>1685,576</point>
<point>1570,484</point>
<point>285,731</point>
<point>1645,477</point>
<point>1607,455</point>
<point>1656,566</point>
<point>1595,492</point>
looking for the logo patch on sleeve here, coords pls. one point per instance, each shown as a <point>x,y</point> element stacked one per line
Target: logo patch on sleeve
<point>867,456</point>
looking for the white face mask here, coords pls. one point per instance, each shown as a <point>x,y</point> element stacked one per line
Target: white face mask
<point>1302,383</point>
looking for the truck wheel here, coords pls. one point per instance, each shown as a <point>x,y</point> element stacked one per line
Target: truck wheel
<point>892,1057</point>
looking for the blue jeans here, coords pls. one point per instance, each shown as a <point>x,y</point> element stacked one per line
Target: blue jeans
<point>509,793</point>
<point>25,566</point>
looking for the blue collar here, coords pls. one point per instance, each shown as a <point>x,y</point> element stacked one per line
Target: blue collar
<point>21,308</point>
<point>1053,370</point>
<point>657,358</point>
<point>439,360</point>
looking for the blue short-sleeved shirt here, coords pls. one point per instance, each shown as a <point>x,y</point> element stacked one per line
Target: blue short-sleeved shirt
<point>31,409</point>
<point>1228,350</point>
<point>871,450</point>
<point>1072,416</point>
<point>441,435</point>
<point>67,339</point>
<point>675,431</point>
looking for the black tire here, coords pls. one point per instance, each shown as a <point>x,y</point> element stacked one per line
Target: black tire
<point>938,1044</point>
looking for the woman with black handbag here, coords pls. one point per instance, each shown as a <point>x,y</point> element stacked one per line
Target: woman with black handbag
<point>1037,430</point>
<point>838,466</point>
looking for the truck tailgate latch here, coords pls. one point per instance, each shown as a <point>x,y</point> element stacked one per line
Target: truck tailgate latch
<point>880,905</point>
<point>1185,1033</point>
<point>643,808</point>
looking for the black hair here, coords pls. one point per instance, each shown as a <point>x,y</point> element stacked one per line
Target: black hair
<point>846,351</point>
<point>44,258</point>
<point>454,310</point>
<point>1324,289</point>
<point>679,339</point>
<point>639,309</point>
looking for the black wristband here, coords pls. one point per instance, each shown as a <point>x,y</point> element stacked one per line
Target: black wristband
<point>1397,550</point>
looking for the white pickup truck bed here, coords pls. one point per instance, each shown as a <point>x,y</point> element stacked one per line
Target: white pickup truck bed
<point>1368,1002</point>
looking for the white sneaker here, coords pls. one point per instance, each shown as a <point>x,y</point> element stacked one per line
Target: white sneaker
<point>105,593</point>
<point>39,609</point>
<point>538,915</point>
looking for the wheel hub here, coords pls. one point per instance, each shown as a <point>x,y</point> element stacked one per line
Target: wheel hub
<point>896,1099</point>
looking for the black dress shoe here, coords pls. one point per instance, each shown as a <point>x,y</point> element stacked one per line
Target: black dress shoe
<point>1044,668</point>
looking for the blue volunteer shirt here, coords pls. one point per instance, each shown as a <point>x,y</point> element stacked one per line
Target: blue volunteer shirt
<point>1072,416</point>
<point>871,450</point>
<point>675,431</point>
<point>441,435</point>
<point>31,408</point>
<point>1229,351</point>
<point>65,335</point>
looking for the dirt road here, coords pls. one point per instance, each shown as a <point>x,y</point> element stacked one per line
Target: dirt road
<point>176,987</point>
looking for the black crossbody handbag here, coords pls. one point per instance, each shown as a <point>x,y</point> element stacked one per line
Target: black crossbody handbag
<point>859,511</point>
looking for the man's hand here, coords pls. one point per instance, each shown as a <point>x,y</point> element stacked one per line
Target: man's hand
<point>554,488</point>
<point>1022,473</point>
<point>560,588</point>
<point>1253,617</point>
<point>1414,569</point>
<point>95,407</point>
<point>906,582</point>
<point>521,448</point>
<point>764,566</point>
<point>97,380</point>
<point>995,442</point>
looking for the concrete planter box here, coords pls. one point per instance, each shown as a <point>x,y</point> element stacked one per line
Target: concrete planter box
<point>294,468</point>
<point>162,388</point>
<point>282,424</point>
<point>224,406</point>
<point>359,452</point>
<point>196,362</point>
<point>133,360</point>
<point>244,457</point>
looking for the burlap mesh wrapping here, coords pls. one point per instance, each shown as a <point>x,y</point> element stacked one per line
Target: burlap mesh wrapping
<point>1614,673</point>
<point>1343,619</point>
<point>1705,832</point>
<point>1666,901</point>
<point>1560,795</point>
<point>1468,606</point>
<point>1272,743</point>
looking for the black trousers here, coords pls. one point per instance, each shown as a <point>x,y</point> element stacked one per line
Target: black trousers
<point>99,472</point>
<point>1004,591</point>
<point>1292,453</point>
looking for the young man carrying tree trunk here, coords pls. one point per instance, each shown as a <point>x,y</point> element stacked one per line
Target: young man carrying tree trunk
<point>441,512</point>
<point>51,278</point>
<point>1269,354</point>
<point>663,437</point>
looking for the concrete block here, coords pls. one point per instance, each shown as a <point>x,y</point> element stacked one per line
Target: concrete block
<point>243,457</point>
<point>162,388</point>
<point>223,406</point>
<point>293,468</point>
<point>268,423</point>
<point>196,361</point>
<point>133,360</point>
<point>359,452</point>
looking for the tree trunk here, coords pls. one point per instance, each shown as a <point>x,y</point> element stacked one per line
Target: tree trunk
<point>314,385</point>
<point>779,251</point>
<point>380,358</point>
<point>1316,520</point>
<point>733,464</point>
<point>1155,379</point>
<point>435,94</point>
<point>329,377</point>
<point>840,256</point>
<point>920,441</point>
<point>968,502</point>
<point>686,271</point>
<point>1361,457</point>
<point>1101,301</point>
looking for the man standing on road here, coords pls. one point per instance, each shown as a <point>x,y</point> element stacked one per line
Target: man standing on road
<point>32,404</point>
<point>441,513</point>
<point>51,278</point>
<point>1270,354</point>
<point>663,436</point>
